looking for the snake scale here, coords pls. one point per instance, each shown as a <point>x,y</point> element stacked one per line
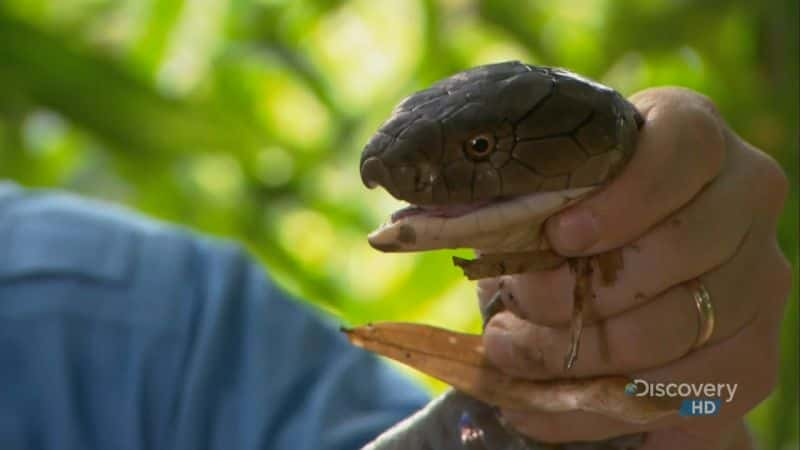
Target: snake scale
<point>484,157</point>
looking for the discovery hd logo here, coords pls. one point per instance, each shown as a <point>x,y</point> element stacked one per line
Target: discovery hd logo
<point>699,399</point>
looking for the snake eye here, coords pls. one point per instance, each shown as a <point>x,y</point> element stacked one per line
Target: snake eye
<point>480,146</point>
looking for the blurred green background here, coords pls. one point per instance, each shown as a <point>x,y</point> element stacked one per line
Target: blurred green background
<point>245,118</point>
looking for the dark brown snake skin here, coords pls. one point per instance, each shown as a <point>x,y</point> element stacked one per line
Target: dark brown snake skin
<point>548,130</point>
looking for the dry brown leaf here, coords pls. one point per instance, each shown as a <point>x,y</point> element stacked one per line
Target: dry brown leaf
<point>496,264</point>
<point>458,359</point>
<point>421,339</point>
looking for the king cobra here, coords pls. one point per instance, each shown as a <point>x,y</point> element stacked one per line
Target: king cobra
<point>484,157</point>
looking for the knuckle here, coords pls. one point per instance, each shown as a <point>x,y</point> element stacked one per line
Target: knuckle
<point>706,103</point>
<point>681,96</point>
<point>756,390</point>
<point>773,181</point>
<point>783,277</point>
<point>765,385</point>
<point>698,126</point>
<point>768,373</point>
<point>770,383</point>
<point>705,131</point>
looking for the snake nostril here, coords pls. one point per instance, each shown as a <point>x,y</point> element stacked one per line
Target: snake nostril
<point>374,173</point>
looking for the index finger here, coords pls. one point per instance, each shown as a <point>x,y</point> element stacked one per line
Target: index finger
<point>680,149</point>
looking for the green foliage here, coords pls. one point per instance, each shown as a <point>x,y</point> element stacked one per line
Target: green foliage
<point>245,118</point>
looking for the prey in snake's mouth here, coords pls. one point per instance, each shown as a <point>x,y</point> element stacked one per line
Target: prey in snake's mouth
<point>485,156</point>
<point>498,225</point>
<point>444,211</point>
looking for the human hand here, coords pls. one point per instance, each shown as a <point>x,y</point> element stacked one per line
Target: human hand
<point>695,203</point>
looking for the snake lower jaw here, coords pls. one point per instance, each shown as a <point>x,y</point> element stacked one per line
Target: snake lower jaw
<point>510,225</point>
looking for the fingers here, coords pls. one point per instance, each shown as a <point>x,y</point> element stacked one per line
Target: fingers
<point>748,359</point>
<point>653,334</point>
<point>700,236</point>
<point>771,184</point>
<point>680,149</point>
<point>695,201</point>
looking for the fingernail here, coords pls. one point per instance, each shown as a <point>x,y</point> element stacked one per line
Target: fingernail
<point>576,230</point>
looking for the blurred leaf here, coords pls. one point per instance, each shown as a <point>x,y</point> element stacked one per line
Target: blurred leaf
<point>95,93</point>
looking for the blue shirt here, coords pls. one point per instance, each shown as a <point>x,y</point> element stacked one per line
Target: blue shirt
<point>119,332</point>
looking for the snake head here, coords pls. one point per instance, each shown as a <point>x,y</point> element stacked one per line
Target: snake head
<point>497,133</point>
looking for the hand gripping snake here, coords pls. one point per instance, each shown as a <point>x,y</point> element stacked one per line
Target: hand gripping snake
<point>484,157</point>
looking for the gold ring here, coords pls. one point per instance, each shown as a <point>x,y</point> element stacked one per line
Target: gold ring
<point>705,311</point>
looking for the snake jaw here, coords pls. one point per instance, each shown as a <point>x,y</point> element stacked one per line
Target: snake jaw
<point>513,224</point>
<point>418,183</point>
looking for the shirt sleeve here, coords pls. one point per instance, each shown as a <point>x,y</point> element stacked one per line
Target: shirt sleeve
<point>118,332</point>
